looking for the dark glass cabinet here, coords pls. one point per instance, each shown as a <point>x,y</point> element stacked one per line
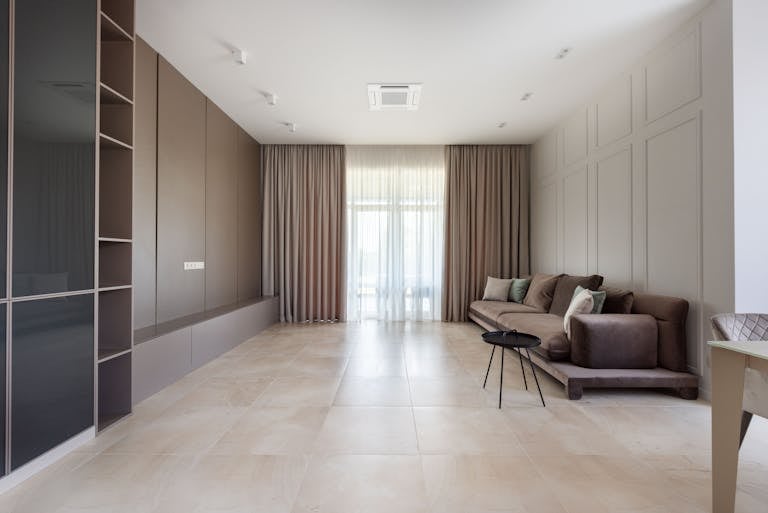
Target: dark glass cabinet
<point>52,376</point>
<point>54,146</point>
<point>53,168</point>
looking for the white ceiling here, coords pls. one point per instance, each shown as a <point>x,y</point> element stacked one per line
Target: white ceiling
<point>474,58</point>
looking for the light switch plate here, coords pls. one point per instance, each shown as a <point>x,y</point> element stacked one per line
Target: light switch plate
<point>193,266</point>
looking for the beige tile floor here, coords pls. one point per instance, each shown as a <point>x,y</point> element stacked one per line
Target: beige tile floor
<point>377,417</point>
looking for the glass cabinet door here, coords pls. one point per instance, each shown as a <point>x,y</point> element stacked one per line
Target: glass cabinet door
<point>54,146</point>
<point>51,372</point>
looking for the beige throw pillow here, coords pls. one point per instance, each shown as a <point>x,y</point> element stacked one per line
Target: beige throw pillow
<point>582,303</point>
<point>496,289</point>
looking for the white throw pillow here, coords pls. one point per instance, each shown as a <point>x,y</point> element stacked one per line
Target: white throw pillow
<point>496,289</point>
<point>582,303</point>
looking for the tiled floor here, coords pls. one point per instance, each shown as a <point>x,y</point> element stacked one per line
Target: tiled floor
<point>370,418</point>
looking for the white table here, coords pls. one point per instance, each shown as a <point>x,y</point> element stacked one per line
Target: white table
<point>729,360</point>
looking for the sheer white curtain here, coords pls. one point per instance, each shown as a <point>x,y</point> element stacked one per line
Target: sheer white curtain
<point>395,212</point>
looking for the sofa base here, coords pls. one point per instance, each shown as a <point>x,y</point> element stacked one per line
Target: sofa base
<point>576,378</point>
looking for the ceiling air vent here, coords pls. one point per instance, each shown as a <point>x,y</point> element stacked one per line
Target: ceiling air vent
<point>393,96</point>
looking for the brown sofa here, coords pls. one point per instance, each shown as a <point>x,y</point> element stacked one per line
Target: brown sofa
<point>638,341</point>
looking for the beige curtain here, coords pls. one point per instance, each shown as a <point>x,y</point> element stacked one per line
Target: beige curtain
<point>486,221</point>
<point>303,255</point>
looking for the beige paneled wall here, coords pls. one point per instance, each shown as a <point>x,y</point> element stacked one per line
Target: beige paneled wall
<point>637,185</point>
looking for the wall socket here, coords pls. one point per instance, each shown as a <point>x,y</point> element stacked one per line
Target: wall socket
<point>193,266</point>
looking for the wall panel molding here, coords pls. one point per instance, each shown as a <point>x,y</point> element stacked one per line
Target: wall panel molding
<point>674,251</point>
<point>613,113</point>
<point>575,139</point>
<point>673,76</point>
<point>614,206</point>
<point>575,219</point>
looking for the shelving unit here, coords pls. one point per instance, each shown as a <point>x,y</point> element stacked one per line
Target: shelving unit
<point>114,230</point>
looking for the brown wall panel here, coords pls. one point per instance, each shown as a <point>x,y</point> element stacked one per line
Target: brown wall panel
<point>248,217</point>
<point>180,194</point>
<point>220,209</point>
<point>145,186</point>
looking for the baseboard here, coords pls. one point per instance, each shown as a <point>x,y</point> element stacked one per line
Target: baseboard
<point>46,459</point>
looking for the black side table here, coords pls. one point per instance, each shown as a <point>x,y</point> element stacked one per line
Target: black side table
<point>517,342</point>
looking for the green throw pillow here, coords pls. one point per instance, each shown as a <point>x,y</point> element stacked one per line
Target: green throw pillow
<point>519,289</point>
<point>597,295</point>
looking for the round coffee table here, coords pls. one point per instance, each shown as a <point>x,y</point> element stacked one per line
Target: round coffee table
<point>518,342</point>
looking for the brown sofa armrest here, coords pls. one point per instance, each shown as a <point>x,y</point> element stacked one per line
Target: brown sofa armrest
<point>614,341</point>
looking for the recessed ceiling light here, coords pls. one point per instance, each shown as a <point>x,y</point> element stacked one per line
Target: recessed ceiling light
<point>526,97</point>
<point>241,56</point>
<point>502,124</point>
<point>291,127</point>
<point>563,53</point>
<point>271,99</point>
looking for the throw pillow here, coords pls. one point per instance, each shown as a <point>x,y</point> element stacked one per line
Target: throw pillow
<point>565,287</point>
<point>496,289</point>
<point>518,289</point>
<point>618,301</point>
<point>597,295</point>
<point>582,303</point>
<point>541,290</point>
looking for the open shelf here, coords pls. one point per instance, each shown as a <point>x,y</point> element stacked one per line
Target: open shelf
<point>110,96</point>
<point>114,344</point>
<point>113,239</point>
<point>110,143</point>
<point>114,265</point>
<point>111,31</point>
<point>115,330</point>
<point>120,12</point>
<point>117,66</point>
<point>117,122</point>
<point>114,389</point>
<point>115,194</point>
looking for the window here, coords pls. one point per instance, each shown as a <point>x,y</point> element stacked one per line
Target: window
<point>395,211</point>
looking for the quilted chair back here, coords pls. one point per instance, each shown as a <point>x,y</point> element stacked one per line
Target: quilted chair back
<point>750,326</point>
<point>733,327</point>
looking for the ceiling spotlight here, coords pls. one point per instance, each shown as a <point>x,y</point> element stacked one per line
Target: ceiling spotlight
<point>526,97</point>
<point>241,56</point>
<point>563,53</point>
<point>502,124</point>
<point>271,99</point>
<point>291,127</point>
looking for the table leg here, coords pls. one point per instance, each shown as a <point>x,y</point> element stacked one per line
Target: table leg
<point>727,397</point>
<point>541,396</point>
<point>489,366</point>
<point>520,355</point>
<point>501,376</point>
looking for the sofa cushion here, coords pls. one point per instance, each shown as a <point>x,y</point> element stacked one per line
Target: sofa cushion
<point>597,295</point>
<point>490,311</point>
<point>617,301</point>
<point>541,290</point>
<point>614,341</point>
<point>565,287</point>
<point>497,289</point>
<point>582,303</point>
<point>671,314</point>
<point>519,289</point>
<point>548,327</point>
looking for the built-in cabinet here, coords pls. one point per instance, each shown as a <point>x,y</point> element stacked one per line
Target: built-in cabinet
<point>197,199</point>
<point>66,135</point>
